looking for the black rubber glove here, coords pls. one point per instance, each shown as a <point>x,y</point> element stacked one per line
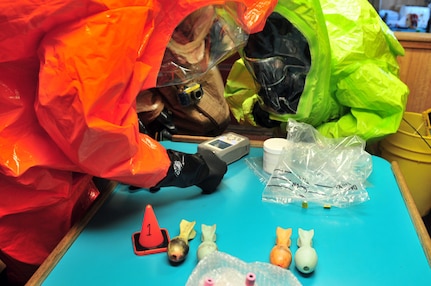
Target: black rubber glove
<point>262,117</point>
<point>203,169</point>
<point>160,128</point>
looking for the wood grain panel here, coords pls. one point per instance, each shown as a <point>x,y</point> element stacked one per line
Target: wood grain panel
<point>415,69</point>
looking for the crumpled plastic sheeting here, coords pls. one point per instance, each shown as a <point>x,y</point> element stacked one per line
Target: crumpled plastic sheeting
<point>317,169</point>
<point>256,165</point>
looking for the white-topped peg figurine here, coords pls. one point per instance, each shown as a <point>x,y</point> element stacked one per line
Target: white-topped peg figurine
<point>208,238</point>
<point>306,256</point>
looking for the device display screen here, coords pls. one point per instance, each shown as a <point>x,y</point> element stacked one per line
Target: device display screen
<point>220,144</point>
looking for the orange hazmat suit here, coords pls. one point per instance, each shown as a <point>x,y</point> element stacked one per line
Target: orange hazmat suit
<point>70,72</point>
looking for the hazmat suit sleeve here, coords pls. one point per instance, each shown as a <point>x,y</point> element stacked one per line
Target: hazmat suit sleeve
<point>89,77</point>
<point>241,93</point>
<point>365,75</point>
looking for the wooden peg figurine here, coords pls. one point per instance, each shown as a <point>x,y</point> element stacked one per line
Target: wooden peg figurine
<point>306,256</point>
<point>178,247</point>
<point>208,244</point>
<point>280,254</point>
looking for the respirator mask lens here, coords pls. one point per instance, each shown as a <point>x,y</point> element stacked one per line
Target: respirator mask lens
<point>281,84</point>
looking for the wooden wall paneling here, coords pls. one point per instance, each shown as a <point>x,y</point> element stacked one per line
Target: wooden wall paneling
<point>396,4</point>
<point>415,69</point>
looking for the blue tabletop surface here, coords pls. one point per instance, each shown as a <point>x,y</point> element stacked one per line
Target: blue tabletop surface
<point>374,243</point>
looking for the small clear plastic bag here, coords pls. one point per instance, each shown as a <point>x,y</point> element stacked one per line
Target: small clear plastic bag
<point>255,164</point>
<point>327,171</point>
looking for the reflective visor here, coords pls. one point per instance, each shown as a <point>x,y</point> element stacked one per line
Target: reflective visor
<point>201,41</point>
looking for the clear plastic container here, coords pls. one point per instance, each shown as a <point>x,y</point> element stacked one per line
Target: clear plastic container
<point>271,153</point>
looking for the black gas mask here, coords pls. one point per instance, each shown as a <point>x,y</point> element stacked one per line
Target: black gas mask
<point>279,60</point>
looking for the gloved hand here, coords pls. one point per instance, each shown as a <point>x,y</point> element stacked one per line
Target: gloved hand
<point>203,169</point>
<point>160,128</point>
<point>262,117</point>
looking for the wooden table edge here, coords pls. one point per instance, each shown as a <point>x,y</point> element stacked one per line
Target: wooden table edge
<point>418,222</point>
<point>46,267</point>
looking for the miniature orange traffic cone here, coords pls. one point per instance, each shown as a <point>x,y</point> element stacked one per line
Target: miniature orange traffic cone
<point>152,238</point>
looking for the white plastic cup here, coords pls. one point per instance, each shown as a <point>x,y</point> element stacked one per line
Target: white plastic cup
<point>271,152</point>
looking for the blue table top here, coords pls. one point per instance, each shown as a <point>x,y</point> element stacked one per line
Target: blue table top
<point>374,243</point>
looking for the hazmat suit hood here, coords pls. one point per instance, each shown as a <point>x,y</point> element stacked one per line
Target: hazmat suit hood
<point>279,59</point>
<point>248,15</point>
<point>352,85</point>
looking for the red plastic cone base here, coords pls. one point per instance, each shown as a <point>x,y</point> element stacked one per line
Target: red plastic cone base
<point>142,250</point>
<point>151,239</point>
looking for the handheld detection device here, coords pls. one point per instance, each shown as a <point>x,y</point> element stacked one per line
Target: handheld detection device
<point>229,147</point>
